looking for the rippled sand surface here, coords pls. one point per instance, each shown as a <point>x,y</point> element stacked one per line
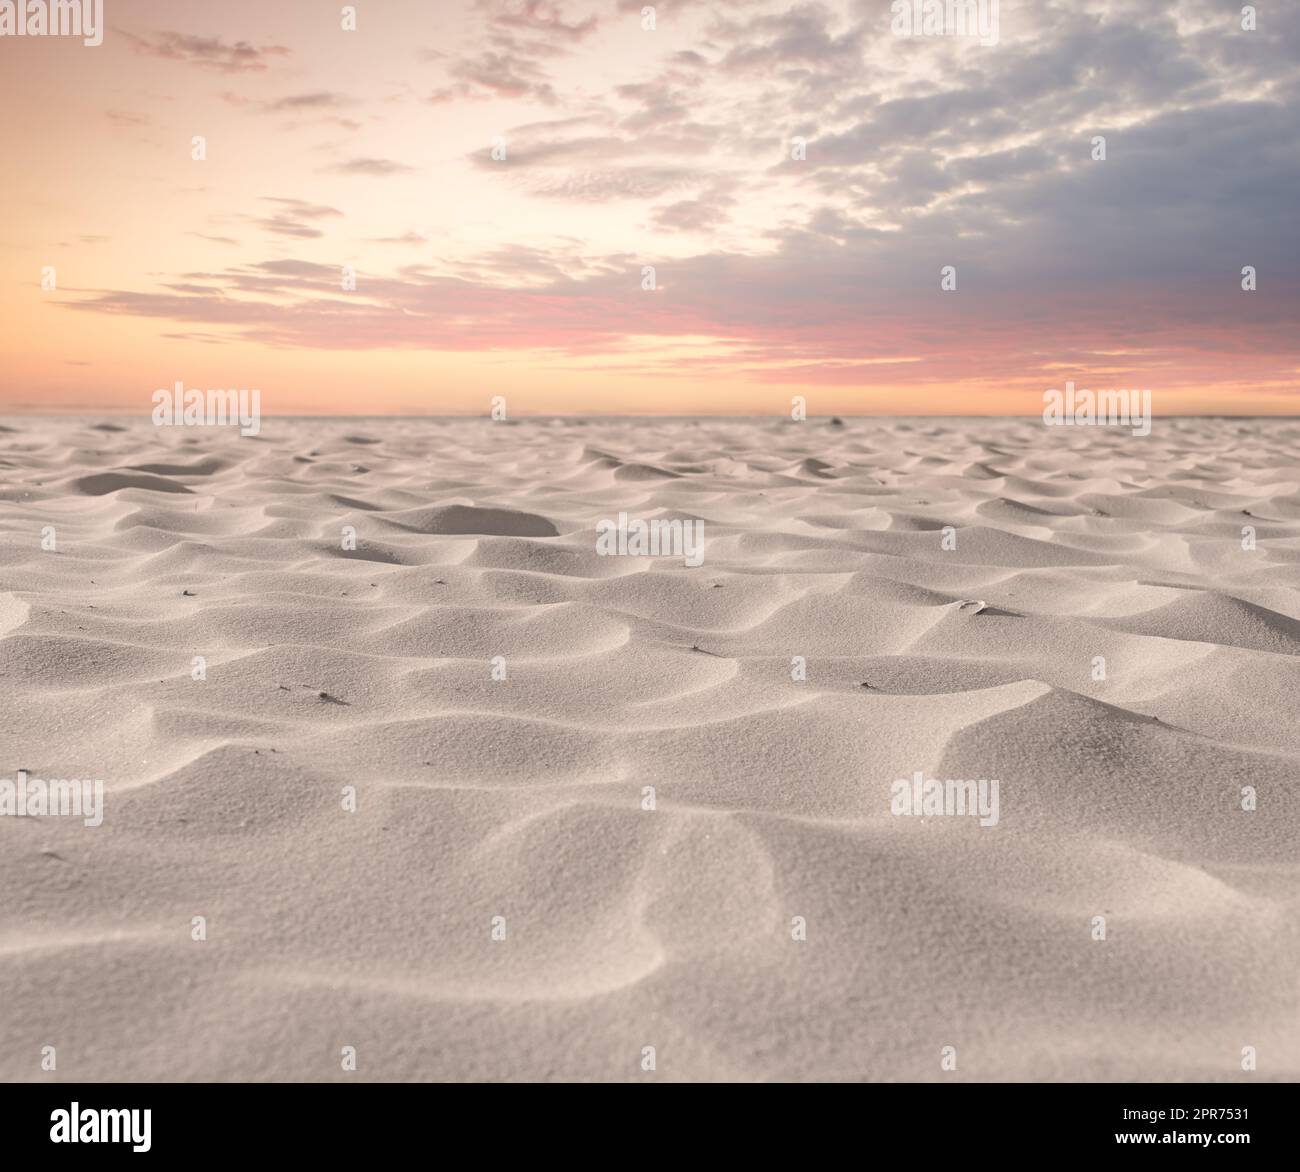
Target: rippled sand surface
<point>949,589</point>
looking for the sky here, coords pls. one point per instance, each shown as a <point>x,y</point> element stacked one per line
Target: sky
<point>500,175</point>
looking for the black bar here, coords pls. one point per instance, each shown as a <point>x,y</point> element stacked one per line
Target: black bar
<point>612,1122</point>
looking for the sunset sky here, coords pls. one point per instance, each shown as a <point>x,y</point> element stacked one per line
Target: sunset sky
<point>670,147</point>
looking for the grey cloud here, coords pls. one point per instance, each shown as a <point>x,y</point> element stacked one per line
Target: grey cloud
<point>537,17</point>
<point>688,215</point>
<point>208,52</point>
<point>369,166</point>
<point>291,215</point>
<point>404,238</point>
<point>319,100</point>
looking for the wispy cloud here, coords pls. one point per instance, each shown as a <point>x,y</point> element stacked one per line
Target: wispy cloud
<point>496,74</point>
<point>318,100</point>
<point>368,166</point>
<point>215,239</point>
<point>404,238</point>
<point>537,17</point>
<point>290,217</point>
<point>207,52</point>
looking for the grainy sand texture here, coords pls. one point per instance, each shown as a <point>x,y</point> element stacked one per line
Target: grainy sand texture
<point>461,793</point>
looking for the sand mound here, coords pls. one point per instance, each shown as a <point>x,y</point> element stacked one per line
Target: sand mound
<point>471,519</point>
<point>106,482</point>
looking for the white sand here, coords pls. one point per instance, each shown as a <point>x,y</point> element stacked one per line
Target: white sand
<point>522,798</point>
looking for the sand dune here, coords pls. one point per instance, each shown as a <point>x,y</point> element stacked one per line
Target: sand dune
<point>419,610</point>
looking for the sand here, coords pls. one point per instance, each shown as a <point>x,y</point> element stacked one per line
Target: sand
<point>770,917</point>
